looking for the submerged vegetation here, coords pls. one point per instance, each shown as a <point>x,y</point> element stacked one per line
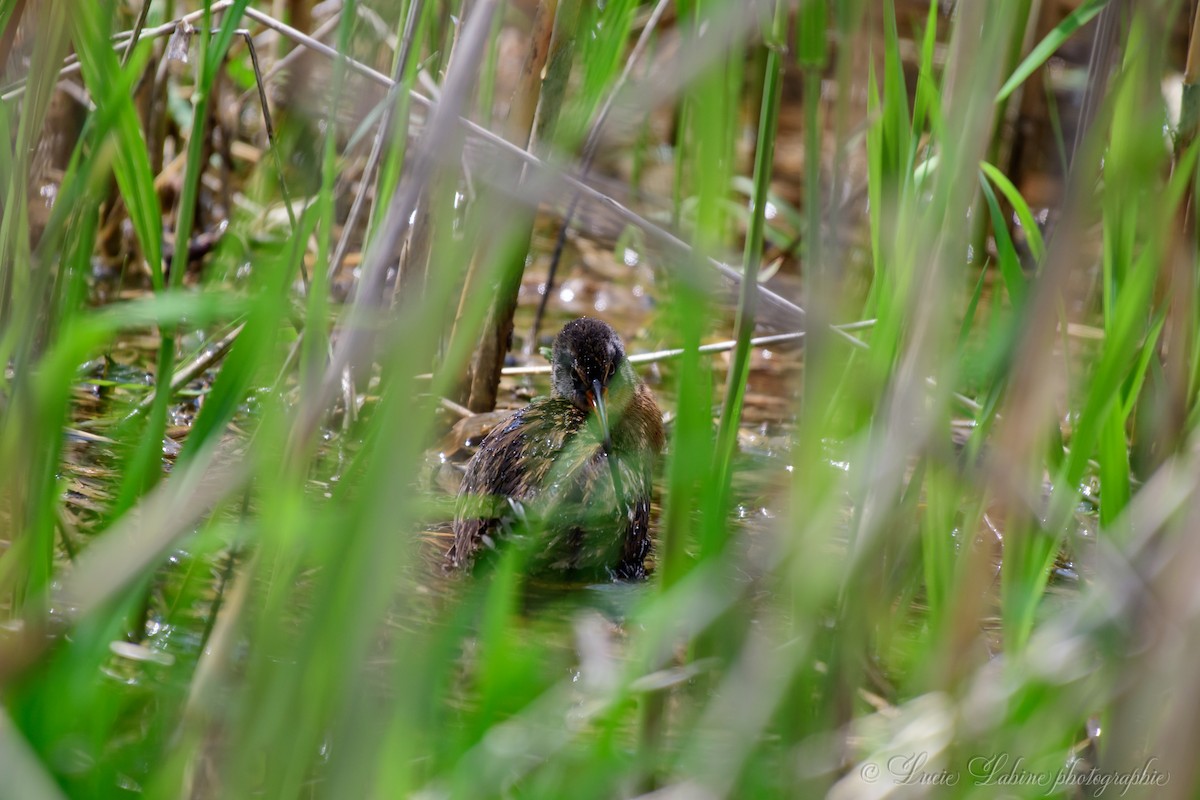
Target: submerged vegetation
<point>924,523</point>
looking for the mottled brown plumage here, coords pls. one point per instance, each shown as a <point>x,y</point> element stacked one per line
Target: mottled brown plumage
<point>575,490</point>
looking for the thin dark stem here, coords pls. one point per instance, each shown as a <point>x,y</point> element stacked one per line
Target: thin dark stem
<point>271,143</point>
<point>137,32</point>
<point>210,619</point>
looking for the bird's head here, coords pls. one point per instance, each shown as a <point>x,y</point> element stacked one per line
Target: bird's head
<point>590,369</point>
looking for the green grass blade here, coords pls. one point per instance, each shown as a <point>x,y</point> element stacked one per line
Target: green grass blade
<point>1010,262</point>
<point>1032,232</point>
<point>1046,48</point>
<point>107,82</point>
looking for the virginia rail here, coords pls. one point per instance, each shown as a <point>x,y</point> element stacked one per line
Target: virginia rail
<point>569,475</point>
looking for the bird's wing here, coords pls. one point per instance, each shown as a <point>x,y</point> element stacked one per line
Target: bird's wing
<point>516,464</point>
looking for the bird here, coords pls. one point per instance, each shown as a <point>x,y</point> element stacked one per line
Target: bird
<point>569,476</point>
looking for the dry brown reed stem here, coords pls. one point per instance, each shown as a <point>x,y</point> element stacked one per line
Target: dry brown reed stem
<point>519,124</point>
<point>10,32</point>
<point>1191,71</point>
<point>300,13</point>
<point>1189,102</point>
<point>483,377</point>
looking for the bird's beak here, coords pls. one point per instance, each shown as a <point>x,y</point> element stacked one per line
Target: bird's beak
<point>596,396</point>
